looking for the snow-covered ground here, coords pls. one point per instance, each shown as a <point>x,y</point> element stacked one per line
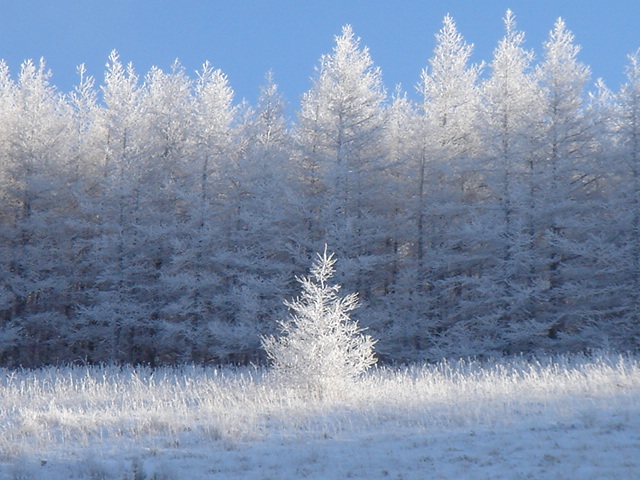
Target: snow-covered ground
<point>565,418</point>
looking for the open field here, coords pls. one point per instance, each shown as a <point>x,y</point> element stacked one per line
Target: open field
<point>566,417</point>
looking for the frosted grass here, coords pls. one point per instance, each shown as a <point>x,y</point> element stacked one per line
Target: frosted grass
<point>56,410</point>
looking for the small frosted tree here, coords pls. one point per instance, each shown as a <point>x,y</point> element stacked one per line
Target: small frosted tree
<point>322,349</point>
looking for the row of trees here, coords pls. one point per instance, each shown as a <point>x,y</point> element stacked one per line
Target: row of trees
<point>153,220</point>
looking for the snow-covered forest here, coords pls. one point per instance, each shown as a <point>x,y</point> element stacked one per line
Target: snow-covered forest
<point>158,220</point>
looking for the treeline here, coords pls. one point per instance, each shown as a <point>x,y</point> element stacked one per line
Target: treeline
<point>153,220</point>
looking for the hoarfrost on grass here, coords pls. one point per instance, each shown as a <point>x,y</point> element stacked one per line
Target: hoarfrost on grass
<point>505,419</point>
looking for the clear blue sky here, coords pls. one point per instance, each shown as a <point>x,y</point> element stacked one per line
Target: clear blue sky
<point>245,38</point>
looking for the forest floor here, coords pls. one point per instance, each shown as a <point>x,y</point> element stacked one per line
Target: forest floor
<point>560,418</point>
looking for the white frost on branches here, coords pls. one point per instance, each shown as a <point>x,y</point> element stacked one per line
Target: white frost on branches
<point>322,349</point>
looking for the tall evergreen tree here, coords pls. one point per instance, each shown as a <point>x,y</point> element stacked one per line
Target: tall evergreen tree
<point>445,173</point>
<point>340,131</point>
<point>199,276</point>
<point>565,184</point>
<point>117,312</point>
<point>36,176</point>
<point>510,119</point>
<point>623,280</point>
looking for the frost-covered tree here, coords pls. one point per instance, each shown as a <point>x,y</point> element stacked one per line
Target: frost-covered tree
<point>198,277</point>
<point>449,105</point>
<point>510,119</point>
<point>321,348</point>
<point>117,311</point>
<point>340,136</point>
<point>215,114</point>
<point>402,144</point>
<point>268,211</point>
<point>564,185</point>
<point>630,140</point>
<point>36,184</point>
<point>445,179</point>
<point>623,279</point>
<point>256,223</point>
<point>8,296</point>
<point>449,92</point>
